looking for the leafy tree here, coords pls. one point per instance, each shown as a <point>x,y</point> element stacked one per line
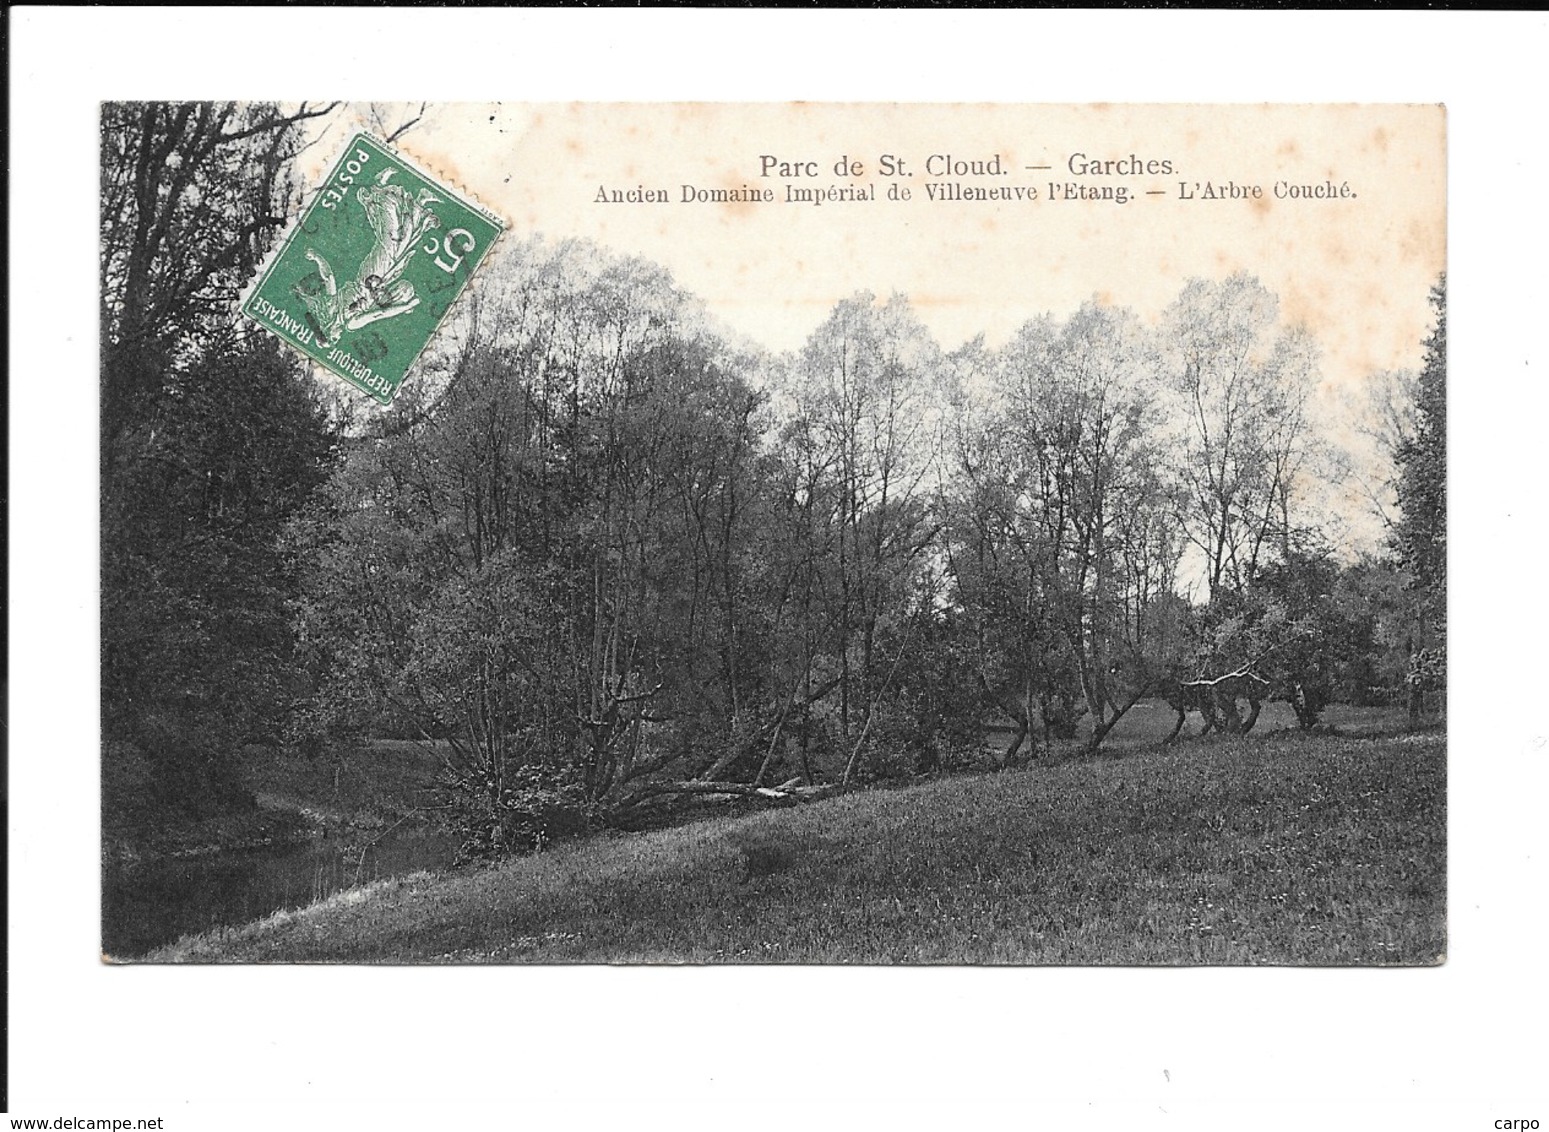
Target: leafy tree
<point>1379,587</point>
<point>863,389</point>
<point>1066,543</point>
<point>1002,544</point>
<point>1421,537</point>
<point>211,437</point>
<point>1317,637</point>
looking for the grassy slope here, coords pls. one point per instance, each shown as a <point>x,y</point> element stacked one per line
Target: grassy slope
<point>1267,849</point>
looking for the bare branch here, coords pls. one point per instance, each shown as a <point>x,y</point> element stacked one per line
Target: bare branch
<point>407,126</point>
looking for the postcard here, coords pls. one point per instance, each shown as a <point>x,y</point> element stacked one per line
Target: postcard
<point>715,533</point>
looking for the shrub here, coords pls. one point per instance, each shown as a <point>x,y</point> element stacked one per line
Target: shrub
<point>896,745</point>
<point>535,806</point>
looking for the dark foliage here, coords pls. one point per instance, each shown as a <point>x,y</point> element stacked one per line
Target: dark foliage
<point>211,438</point>
<point>1421,537</point>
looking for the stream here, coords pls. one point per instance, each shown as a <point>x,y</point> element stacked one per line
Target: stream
<point>149,903</point>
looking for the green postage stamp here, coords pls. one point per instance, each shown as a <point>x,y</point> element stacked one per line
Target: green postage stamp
<point>379,257</point>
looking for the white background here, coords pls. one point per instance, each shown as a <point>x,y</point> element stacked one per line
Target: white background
<point>1456,1047</point>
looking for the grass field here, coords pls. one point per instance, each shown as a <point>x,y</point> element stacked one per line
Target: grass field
<point>1272,848</point>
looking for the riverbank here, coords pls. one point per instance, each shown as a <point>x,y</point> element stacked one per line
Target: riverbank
<point>353,793</point>
<point>1281,848</point>
<point>294,831</point>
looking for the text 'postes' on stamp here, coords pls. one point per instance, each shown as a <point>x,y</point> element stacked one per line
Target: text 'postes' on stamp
<point>380,255</point>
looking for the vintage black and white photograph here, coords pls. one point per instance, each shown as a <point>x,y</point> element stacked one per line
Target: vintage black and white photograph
<point>815,534</point>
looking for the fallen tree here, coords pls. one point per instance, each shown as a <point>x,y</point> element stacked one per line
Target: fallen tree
<point>788,793</point>
<point>1216,699</point>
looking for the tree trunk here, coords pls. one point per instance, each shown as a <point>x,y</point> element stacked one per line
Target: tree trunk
<point>1016,744</point>
<point>1231,718</point>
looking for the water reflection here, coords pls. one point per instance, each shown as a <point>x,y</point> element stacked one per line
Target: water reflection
<point>149,903</point>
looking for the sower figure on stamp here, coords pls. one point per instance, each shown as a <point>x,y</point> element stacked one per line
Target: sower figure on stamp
<point>398,222</point>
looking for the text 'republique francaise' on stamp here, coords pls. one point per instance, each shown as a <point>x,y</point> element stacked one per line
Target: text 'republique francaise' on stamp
<point>380,255</point>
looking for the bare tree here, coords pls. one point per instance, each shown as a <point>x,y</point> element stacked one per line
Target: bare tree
<point>1384,415</point>
<point>391,120</point>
